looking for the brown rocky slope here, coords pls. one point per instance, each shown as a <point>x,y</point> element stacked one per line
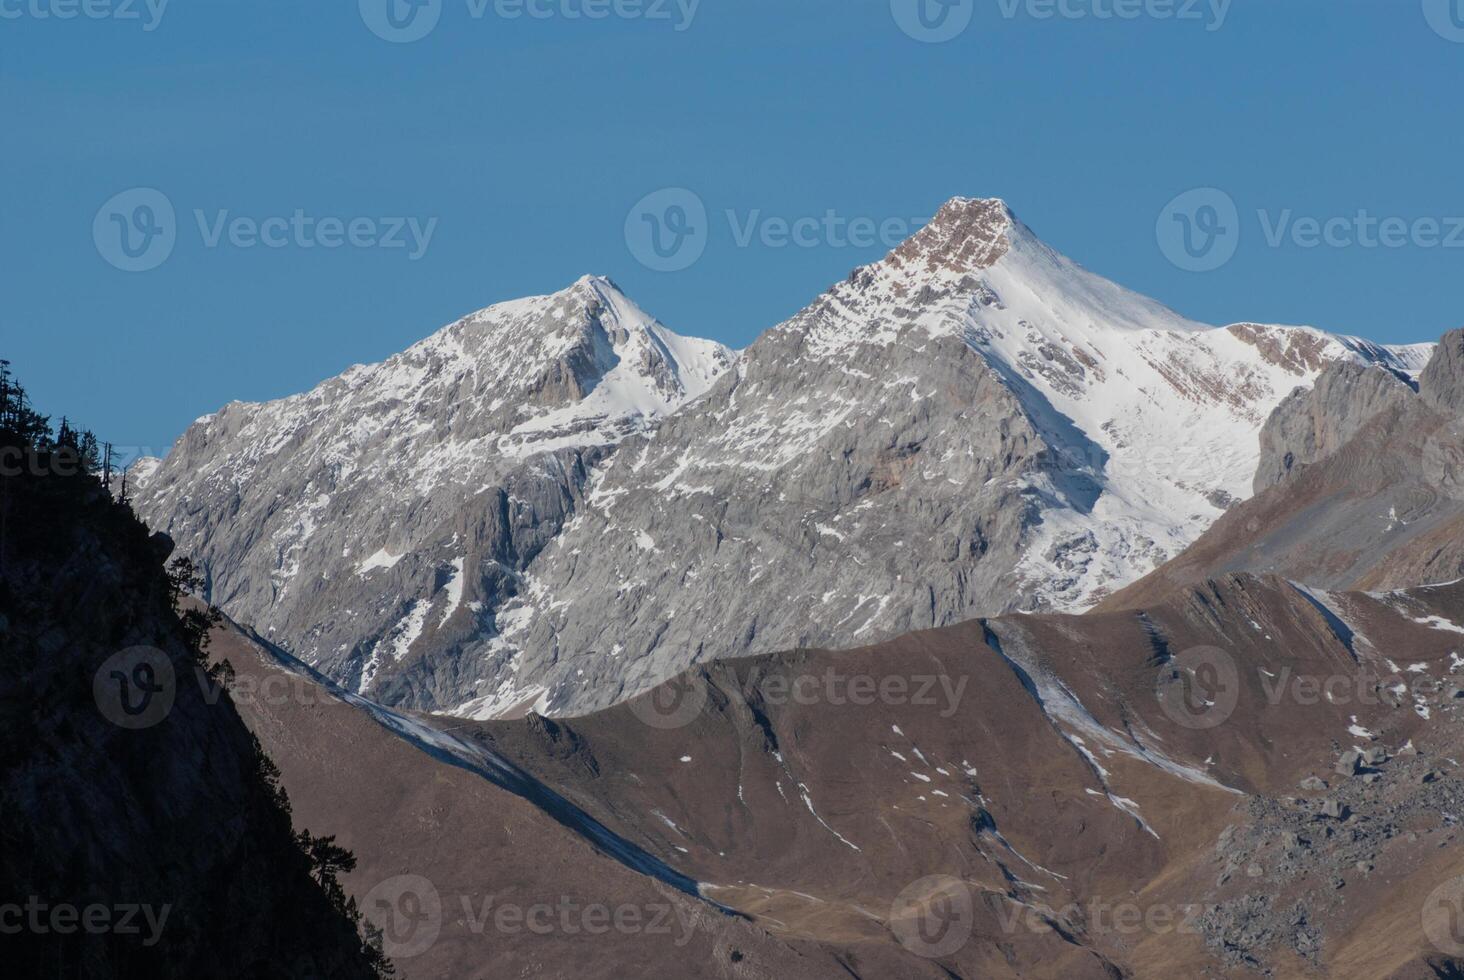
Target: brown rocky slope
<point>1107,795</point>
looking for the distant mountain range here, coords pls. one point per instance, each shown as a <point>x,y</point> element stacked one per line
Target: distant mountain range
<point>556,503</point>
<point>984,619</point>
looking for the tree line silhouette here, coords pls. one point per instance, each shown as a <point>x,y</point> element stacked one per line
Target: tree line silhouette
<point>30,445</point>
<point>52,478</point>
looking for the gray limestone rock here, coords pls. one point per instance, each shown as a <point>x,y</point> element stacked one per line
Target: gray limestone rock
<point>1312,423</point>
<point>1442,383</point>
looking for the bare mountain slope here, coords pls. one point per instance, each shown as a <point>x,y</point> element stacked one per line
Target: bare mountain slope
<point>1039,796</point>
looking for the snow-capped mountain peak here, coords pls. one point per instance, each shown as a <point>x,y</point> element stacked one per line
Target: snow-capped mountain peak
<point>335,519</point>
<point>1158,411</point>
<point>965,236</point>
<point>554,503</point>
<point>575,367</point>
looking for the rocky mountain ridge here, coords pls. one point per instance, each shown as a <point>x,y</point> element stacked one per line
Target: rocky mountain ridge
<point>973,424</point>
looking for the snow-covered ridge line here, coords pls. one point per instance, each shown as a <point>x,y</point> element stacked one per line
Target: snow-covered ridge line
<point>1158,414</point>
<point>556,502</point>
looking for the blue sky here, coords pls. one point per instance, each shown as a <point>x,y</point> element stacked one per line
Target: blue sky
<point>524,143</point>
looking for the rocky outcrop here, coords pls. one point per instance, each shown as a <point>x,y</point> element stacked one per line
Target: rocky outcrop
<point>399,505</point>
<point>1312,423</point>
<point>1442,383</point>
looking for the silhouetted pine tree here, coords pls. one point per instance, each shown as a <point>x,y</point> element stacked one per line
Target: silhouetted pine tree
<point>27,427</point>
<point>86,449</point>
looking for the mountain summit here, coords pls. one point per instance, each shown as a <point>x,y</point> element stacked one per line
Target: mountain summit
<point>558,503</point>
<point>965,236</point>
<point>324,519</point>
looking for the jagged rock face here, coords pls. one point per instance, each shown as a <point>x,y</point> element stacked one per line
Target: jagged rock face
<point>1312,423</point>
<point>797,479</point>
<point>406,497</point>
<point>1442,382</point>
<point>973,425</point>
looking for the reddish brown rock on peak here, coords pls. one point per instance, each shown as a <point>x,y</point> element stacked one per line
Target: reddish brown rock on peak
<point>965,235</point>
